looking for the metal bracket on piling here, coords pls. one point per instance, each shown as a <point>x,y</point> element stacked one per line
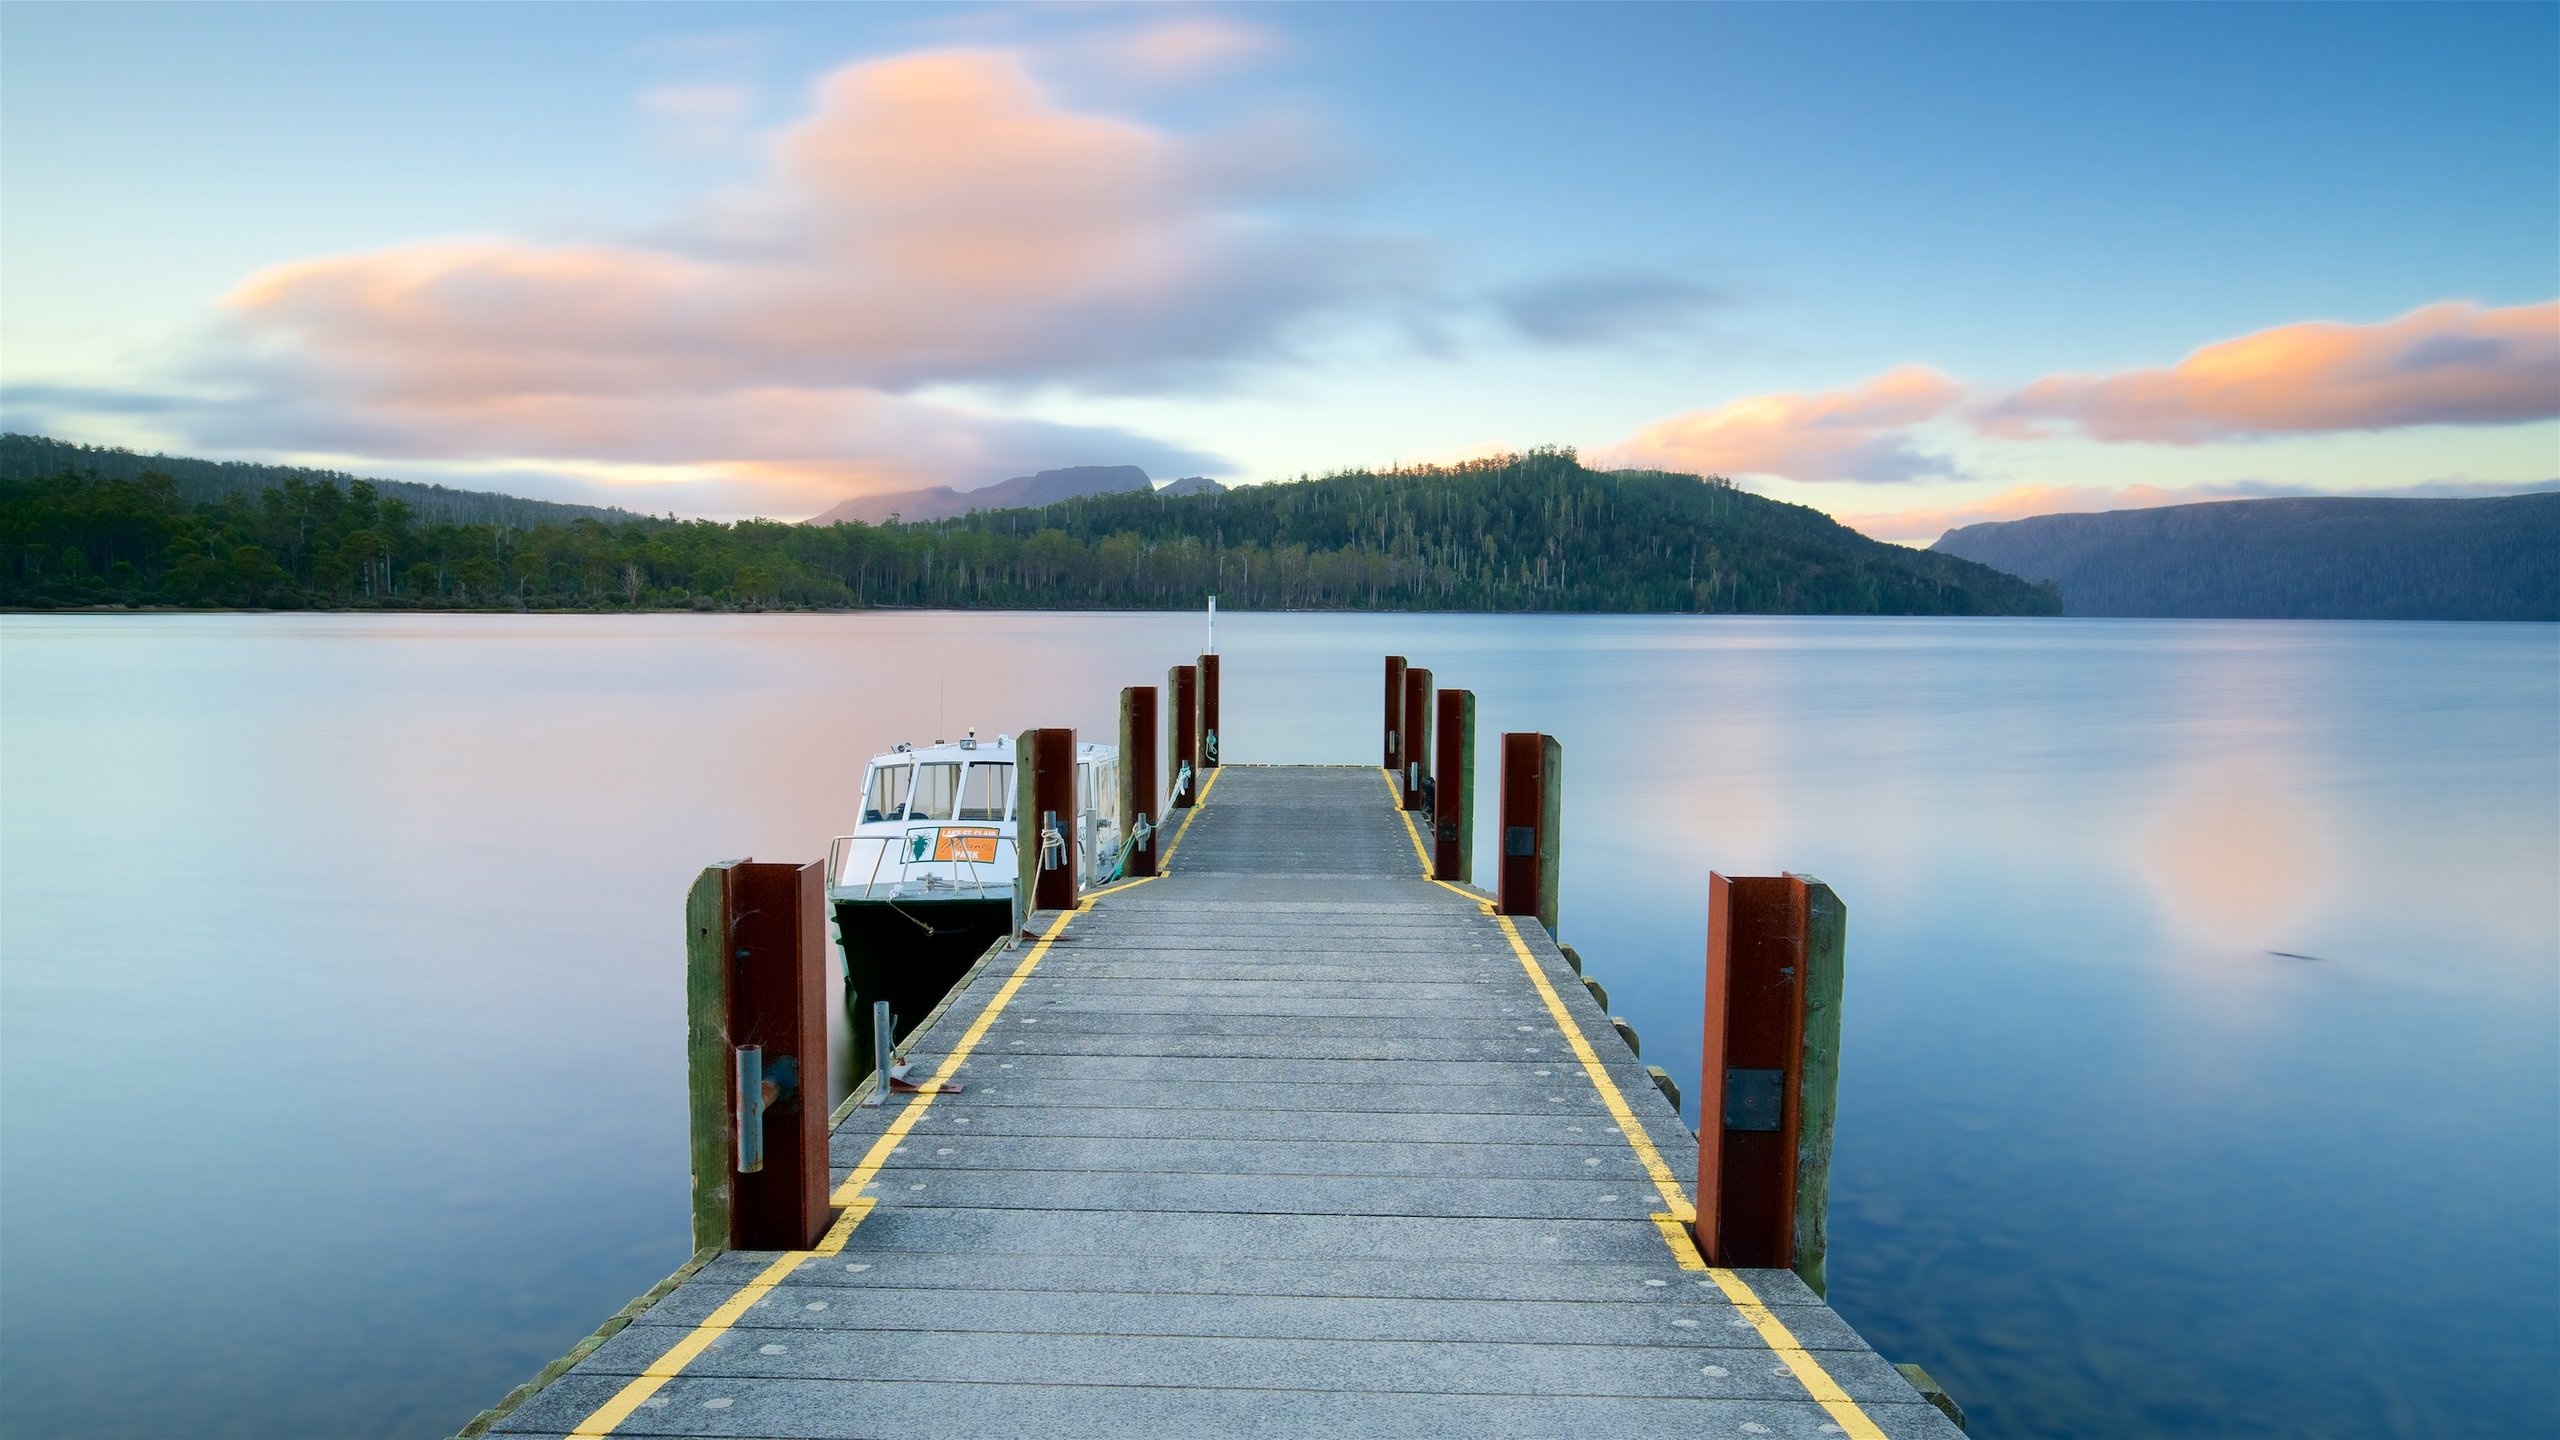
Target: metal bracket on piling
<point>760,1088</point>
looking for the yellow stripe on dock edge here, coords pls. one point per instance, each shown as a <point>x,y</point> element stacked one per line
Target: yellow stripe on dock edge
<point>1673,1220</point>
<point>1164,862</point>
<point>849,1195</point>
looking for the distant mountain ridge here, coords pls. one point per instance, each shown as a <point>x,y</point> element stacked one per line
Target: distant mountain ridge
<point>38,457</point>
<point>1046,487</point>
<point>2290,558</point>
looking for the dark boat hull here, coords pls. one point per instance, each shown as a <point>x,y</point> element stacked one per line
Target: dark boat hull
<point>909,955</point>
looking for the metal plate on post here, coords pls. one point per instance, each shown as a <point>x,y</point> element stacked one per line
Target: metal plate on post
<point>1754,1099</point>
<point>1519,840</point>
<point>1395,708</point>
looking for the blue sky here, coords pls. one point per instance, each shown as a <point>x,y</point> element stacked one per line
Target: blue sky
<point>1915,264</point>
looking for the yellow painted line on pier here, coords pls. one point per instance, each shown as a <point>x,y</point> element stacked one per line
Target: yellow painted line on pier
<point>1165,861</point>
<point>849,1195</point>
<point>1674,1199</point>
<point>1808,1371</point>
<point>1677,1213</point>
<point>1463,893</point>
<point>1395,796</point>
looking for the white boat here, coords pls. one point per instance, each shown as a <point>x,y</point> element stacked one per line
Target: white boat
<point>925,881</point>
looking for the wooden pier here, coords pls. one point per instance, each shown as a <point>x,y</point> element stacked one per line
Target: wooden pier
<point>1291,1140</point>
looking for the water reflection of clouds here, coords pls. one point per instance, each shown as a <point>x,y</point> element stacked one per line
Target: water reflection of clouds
<point>2236,853</point>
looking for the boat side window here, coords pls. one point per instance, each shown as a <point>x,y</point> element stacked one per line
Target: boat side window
<point>886,799</point>
<point>984,794</point>
<point>937,787</point>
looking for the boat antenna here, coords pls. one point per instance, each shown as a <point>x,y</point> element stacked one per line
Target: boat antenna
<point>1213,626</point>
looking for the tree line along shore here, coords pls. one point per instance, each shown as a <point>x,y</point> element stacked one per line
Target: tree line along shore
<point>1531,532</point>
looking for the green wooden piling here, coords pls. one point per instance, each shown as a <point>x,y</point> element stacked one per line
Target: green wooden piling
<point>1026,830</point>
<point>708,1063</point>
<point>1825,974</point>
<point>1551,836</point>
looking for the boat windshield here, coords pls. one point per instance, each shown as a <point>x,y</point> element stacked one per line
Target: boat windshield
<point>987,791</point>
<point>937,787</point>
<point>886,799</point>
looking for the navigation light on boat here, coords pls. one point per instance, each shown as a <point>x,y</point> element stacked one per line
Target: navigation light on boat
<point>970,740</point>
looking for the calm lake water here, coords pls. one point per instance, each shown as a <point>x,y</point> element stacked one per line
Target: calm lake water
<point>2202,1037</point>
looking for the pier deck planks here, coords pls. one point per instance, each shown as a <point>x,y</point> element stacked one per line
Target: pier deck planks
<point>1285,1143</point>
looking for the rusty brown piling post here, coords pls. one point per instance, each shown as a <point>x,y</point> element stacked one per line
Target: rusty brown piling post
<point>1141,801</point>
<point>1453,787</point>
<point>1415,763</point>
<point>1044,824</point>
<point>1532,826</point>
<point>1209,712</point>
<point>1182,737</point>
<point>757,1055</point>
<point>1769,1072</point>
<point>1394,761</point>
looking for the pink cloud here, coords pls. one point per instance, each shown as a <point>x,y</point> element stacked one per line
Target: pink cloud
<point>1858,433</point>
<point>936,219</point>
<point>1188,48</point>
<point>1919,525</point>
<point>2455,363</point>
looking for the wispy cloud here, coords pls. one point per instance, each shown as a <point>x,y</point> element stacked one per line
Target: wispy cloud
<point>2455,363</point>
<point>1861,433</point>
<point>706,116</point>
<point>1600,306</point>
<point>1190,48</point>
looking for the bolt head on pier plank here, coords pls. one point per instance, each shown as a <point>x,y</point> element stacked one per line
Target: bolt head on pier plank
<point>1414,744</point>
<point>1453,818</point>
<point>1393,754</point>
<point>1210,744</point>
<point>1182,734</point>
<point>1769,1072</point>
<point>1140,791</point>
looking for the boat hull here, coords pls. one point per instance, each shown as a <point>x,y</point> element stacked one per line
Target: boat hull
<point>910,954</point>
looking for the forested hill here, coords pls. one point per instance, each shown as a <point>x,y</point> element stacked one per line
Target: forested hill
<point>35,457</point>
<point>2307,558</point>
<point>1523,533</point>
<point>1517,533</point>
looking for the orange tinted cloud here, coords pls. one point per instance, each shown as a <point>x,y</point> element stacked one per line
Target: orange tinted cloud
<point>1860,433</point>
<point>936,219</point>
<point>2454,363</point>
